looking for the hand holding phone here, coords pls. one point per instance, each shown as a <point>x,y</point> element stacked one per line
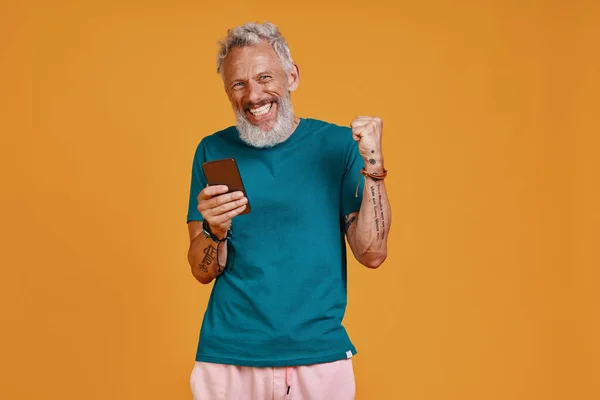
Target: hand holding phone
<point>225,196</point>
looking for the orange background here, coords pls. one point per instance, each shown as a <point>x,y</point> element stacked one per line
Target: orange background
<point>491,124</point>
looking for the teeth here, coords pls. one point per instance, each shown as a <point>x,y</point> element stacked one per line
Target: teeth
<point>261,110</point>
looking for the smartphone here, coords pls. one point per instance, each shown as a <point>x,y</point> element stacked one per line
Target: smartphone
<point>225,172</point>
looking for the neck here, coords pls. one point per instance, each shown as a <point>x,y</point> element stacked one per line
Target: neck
<point>294,126</point>
<point>296,122</point>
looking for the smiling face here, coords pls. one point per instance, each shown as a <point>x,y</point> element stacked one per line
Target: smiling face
<point>259,91</point>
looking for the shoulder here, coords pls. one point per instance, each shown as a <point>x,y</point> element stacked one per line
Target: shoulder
<point>317,124</point>
<point>329,132</point>
<point>216,138</point>
<point>334,139</point>
<point>226,134</point>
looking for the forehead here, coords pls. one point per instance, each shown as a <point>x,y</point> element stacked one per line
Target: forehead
<point>244,62</point>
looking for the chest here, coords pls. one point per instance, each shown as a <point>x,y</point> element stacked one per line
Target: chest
<point>290,185</point>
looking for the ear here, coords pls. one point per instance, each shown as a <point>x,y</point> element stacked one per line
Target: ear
<point>294,78</point>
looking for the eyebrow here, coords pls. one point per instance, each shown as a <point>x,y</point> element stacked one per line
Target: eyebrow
<point>267,72</point>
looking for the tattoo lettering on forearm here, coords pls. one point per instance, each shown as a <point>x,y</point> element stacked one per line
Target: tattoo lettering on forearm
<point>381,211</point>
<point>349,222</point>
<point>209,257</point>
<point>203,267</point>
<point>375,210</point>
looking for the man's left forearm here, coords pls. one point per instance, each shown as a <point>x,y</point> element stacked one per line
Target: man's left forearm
<point>374,219</point>
<point>368,239</point>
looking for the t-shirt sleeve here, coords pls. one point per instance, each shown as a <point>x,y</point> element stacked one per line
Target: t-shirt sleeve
<point>198,183</point>
<point>350,201</point>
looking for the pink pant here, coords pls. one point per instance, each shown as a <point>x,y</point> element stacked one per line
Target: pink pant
<point>327,381</point>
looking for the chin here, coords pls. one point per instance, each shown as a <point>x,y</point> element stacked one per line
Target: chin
<point>273,130</point>
<point>266,126</point>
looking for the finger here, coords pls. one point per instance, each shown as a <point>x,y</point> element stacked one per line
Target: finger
<point>219,200</point>
<point>225,208</point>
<point>223,218</point>
<point>360,123</point>
<point>205,205</point>
<point>365,120</point>
<point>372,118</point>
<point>211,191</point>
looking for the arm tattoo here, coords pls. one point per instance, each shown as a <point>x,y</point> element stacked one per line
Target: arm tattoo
<point>349,222</point>
<point>381,211</point>
<point>209,257</point>
<point>375,210</point>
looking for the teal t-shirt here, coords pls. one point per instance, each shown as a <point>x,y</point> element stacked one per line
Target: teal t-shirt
<point>282,297</point>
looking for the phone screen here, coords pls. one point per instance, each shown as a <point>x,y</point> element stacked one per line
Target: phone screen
<point>225,172</point>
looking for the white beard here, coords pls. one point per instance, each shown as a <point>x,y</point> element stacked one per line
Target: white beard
<point>256,137</point>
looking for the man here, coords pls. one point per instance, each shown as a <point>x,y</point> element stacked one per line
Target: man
<point>273,325</point>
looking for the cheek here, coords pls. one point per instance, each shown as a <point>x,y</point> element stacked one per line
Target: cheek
<point>236,100</point>
<point>275,89</point>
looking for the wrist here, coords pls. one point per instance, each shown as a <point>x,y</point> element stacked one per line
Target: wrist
<point>215,233</point>
<point>374,165</point>
<point>220,233</point>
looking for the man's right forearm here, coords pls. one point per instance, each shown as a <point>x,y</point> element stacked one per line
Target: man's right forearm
<point>202,257</point>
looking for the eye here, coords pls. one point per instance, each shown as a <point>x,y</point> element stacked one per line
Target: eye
<point>238,85</point>
<point>264,77</point>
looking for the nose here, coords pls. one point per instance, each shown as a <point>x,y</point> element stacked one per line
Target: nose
<point>255,92</point>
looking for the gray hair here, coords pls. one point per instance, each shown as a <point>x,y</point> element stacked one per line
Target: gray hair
<point>251,34</point>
